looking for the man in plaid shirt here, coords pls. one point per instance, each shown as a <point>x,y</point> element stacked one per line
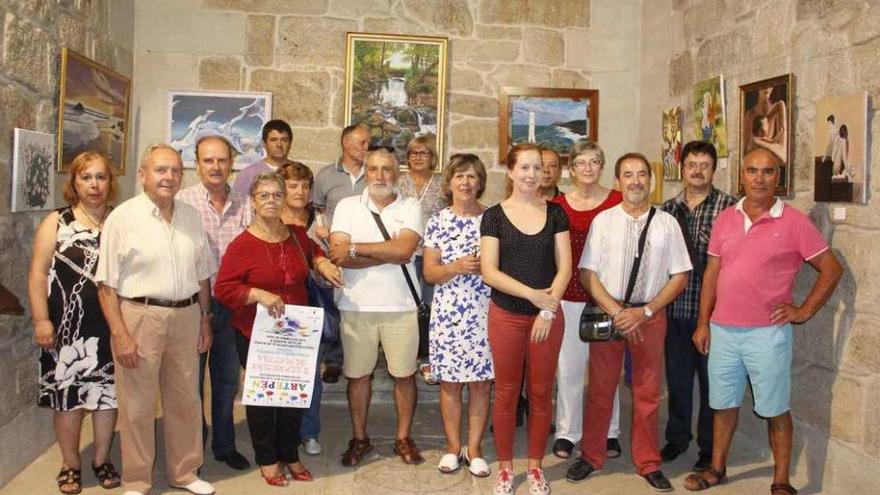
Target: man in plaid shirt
<point>695,208</point>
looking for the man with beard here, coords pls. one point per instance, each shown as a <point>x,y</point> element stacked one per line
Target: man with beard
<point>606,264</point>
<point>376,304</point>
<point>277,136</point>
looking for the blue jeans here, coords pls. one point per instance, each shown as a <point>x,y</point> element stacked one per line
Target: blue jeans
<point>311,417</point>
<point>222,360</point>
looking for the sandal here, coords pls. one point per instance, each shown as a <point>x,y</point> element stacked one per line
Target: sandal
<point>702,483</point>
<point>449,463</point>
<point>407,450</point>
<point>108,476</point>
<point>425,370</point>
<point>304,475</point>
<point>477,466</point>
<point>782,487</point>
<point>71,478</point>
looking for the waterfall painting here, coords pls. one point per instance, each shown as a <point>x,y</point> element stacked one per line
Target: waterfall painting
<point>551,117</point>
<point>395,86</point>
<point>33,171</point>
<point>236,116</point>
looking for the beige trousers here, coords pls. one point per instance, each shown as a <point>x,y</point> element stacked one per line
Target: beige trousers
<point>168,365</point>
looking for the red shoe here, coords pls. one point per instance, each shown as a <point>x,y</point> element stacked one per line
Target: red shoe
<point>277,480</point>
<point>303,475</point>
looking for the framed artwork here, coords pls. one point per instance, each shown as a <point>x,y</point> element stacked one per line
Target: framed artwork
<point>33,171</point>
<point>671,134</point>
<point>93,103</point>
<point>656,196</point>
<point>840,151</point>
<point>237,116</point>
<point>765,122</point>
<point>710,119</point>
<point>395,86</point>
<point>551,117</point>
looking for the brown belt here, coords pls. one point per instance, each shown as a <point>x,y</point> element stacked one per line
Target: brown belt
<point>166,303</point>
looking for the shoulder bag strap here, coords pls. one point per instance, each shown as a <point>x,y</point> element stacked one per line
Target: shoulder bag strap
<point>308,260</point>
<point>638,260</point>
<point>409,282</point>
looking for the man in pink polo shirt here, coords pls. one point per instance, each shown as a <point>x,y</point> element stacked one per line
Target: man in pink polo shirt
<point>755,252</point>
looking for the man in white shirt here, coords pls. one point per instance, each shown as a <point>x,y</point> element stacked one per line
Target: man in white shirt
<point>154,266</point>
<point>606,266</point>
<point>376,304</point>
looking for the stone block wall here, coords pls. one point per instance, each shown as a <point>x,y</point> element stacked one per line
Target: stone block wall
<point>296,50</point>
<point>32,33</point>
<point>831,48</point>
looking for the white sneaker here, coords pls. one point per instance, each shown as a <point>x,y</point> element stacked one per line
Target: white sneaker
<point>312,447</point>
<point>198,487</point>
<point>537,483</point>
<point>503,483</point>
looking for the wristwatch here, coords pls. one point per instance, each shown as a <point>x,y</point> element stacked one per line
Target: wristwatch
<point>352,251</point>
<point>648,312</point>
<point>547,314</point>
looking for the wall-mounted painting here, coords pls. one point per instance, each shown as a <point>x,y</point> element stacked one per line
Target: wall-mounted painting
<point>94,111</point>
<point>656,196</point>
<point>710,119</point>
<point>671,133</point>
<point>551,117</point>
<point>395,86</point>
<point>237,116</point>
<point>33,171</point>
<point>765,122</point>
<point>840,152</point>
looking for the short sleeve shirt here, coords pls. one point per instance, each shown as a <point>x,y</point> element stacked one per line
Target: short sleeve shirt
<point>529,259</point>
<point>332,184</point>
<point>380,288</point>
<point>612,245</point>
<point>759,263</point>
<point>245,178</point>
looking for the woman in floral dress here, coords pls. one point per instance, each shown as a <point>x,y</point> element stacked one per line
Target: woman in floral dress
<point>459,344</point>
<point>76,365</point>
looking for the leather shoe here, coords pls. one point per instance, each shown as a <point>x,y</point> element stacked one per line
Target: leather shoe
<point>357,449</point>
<point>579,470</point>
<point>562,448</point>
<point>670,452</point>
<point>704,462</point>
<point>198,487</point>
<point>235,460</point>
<point>331,374</point>
<point>658,481</point>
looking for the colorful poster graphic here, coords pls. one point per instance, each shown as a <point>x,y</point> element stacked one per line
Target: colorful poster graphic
<point>282,357</point>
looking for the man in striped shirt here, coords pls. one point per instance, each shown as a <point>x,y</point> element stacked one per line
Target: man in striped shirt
<point>695,208</point>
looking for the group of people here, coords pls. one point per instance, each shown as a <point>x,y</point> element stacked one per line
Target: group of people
<point>131,304</point>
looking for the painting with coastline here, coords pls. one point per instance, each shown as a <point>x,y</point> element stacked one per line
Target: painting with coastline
<point>396,88</point>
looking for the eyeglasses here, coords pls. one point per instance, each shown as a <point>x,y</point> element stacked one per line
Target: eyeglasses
<point>593,162</point>
<point>419,153</point>
<point>697,165</point>
<point>264,196</point>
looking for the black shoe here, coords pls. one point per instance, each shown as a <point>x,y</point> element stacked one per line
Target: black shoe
<point>562,448</point>
<point>579,470</point>
<point>235,460</point>
<point>670,452</point>
<point>613,448</point>
<point>331,374</point>
<point>658,481</point>
<point>704,462</point>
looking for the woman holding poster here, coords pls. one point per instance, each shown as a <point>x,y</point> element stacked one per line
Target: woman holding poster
<point>264,265</point>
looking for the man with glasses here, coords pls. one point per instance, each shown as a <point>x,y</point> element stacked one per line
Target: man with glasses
<point>695,208</point>
<point>277,136</point>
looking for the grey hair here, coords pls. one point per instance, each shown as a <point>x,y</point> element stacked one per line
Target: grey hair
<point>268,177</point>
<point>148,152</point>
<point>381,152</point>
<point>586,146</point>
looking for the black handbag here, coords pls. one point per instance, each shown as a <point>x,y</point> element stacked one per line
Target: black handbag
<point>423,310</point>
<point>597,325</point>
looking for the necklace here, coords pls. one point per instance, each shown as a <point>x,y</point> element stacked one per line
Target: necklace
<point>95,223</point>
<point>268,234</point>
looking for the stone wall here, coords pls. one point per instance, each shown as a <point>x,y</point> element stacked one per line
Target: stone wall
<point>831,48</point>
<point>296,51</point>
<point>32,33</point>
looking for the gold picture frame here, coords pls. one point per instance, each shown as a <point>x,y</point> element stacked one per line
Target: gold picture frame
<point>765,121</point>
<point>395,85</point>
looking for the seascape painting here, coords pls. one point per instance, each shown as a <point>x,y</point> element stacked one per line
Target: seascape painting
<point>396,88</point>
<point>236,116</point>
<point>94,111</point>
<point>33,171</point>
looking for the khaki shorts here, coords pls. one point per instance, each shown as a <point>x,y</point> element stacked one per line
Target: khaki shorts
<point>362,332</point>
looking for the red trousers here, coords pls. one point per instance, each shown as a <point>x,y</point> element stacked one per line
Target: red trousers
<point>509,337</point>
<point>606,360</point>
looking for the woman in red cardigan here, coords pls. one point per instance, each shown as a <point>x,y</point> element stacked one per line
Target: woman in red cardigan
<point>269,264</point>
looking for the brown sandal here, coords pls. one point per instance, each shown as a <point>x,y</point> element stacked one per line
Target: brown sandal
<point>702,483</point>
<point>782,487</point>
<point>407,450</point>
<point>108,476</point>
<point>72,479</point>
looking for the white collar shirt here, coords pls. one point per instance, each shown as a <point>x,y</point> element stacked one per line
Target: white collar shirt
<point>775,212</point>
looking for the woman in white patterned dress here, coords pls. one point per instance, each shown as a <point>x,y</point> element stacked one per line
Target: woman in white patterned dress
<point>76,365</point>
<point>459,344</point>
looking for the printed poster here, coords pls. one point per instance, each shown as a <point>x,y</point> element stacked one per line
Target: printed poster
<point>282,357</point>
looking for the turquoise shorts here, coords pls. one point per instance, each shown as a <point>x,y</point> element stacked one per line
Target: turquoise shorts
<point>760,354</point>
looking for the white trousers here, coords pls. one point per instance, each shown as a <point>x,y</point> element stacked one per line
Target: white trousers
<point>571,380</point>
